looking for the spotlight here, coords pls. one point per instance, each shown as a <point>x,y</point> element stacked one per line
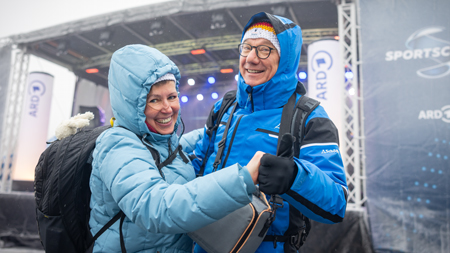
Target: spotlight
<point>198,51</point>
<point>62,48</point>
<point>211,80</point>
<point>336,37</point>
<point>349,75</point>
<point>302,75</point>
<point>156,28</point>
<point>225,71</point>
<point>191,81</point>
<point>199,97</point>
<point>218,21</point>
<point>236,77</point>
<point>351,91</point>
<point>184,99</point>
<point>105,38</point>
<point>91,71</point>
<point>214,95</point>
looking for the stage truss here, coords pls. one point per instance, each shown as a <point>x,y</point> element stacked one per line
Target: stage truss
<point>353,143</point>
<point>11,118</point>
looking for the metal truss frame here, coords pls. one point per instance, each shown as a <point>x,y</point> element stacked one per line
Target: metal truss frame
<point>353,143</point>
<point>210,44</point>
<point>12,115</point>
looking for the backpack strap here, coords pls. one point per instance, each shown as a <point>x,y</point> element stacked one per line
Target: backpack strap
<point>293,119</point>
<point>222,142</point>
<point>305,106</point>
<point>213,122</point>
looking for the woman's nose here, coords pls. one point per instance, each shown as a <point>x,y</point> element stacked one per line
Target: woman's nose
<point>166,106</point>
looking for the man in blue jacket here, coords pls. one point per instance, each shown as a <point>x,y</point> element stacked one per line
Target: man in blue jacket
<point>312,184</point>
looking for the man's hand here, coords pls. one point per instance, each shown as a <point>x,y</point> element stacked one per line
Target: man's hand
<point>253,166</point>
<point>277,173</point>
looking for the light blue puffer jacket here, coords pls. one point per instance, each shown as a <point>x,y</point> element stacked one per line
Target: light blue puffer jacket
<point>159,211</point>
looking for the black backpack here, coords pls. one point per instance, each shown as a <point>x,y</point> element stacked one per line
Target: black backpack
<point>293,121</point>
<point>62,192</point>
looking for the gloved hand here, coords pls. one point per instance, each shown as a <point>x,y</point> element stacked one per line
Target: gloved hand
<point>277,173</point>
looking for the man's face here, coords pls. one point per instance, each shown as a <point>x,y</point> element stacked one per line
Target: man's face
<point>254,70</point>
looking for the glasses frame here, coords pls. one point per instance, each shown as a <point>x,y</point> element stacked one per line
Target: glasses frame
<point>256,49</point>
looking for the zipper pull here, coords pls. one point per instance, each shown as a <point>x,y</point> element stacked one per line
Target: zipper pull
<point>249,90</point>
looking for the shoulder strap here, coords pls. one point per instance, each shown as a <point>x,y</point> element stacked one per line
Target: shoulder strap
<point>213,122</point>
<point>305,106</point>
<point>222,142</point>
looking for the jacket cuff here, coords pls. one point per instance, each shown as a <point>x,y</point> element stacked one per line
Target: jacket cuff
<point>302,174</point>
<point>245,175</point>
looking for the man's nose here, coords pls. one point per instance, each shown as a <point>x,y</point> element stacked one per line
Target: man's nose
<point>253,56</point>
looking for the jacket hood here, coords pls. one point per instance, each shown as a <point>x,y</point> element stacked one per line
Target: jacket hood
<point>132,72</point>
<point>275,92</point>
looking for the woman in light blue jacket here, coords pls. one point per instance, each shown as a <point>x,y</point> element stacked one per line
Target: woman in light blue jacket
<point>160,206</point>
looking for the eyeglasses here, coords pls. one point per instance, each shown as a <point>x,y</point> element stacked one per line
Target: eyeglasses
<point>261,51</point>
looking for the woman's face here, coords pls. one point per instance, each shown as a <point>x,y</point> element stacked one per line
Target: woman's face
<point>162,107</point>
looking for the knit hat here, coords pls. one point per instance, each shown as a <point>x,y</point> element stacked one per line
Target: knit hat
<point>264,30</point>
<point>168,76</point>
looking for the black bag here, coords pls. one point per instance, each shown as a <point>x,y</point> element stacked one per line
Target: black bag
<point>62,193</point>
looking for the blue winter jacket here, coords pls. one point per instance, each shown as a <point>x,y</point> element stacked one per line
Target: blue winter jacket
<point>319,190</point>
<point>159,210</point>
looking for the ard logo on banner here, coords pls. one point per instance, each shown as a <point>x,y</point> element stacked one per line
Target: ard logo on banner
<point>425,44</point>
<point>443,114</point>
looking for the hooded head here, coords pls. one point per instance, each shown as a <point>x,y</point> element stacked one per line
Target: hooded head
<point>279,80</point>
<point>133,71</point>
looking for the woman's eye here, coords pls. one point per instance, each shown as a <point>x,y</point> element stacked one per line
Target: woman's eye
<point>173,97</point>
<point>153,101</point>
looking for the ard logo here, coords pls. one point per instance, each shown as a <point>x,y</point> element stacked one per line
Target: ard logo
<point>442,114</point>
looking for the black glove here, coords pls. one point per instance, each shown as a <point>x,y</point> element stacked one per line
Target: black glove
<point>277,173</point>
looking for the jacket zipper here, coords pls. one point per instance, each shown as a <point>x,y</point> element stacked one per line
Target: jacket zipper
<point>250,98</point>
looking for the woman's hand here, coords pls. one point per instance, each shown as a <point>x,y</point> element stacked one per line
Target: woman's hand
<point>253,166</point>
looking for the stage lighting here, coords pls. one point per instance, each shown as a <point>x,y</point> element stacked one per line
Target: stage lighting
<point>156,28</point>
<point>91,71</point>
<point>62,48</point>
<point>199,97</point>
<point>184,99</point>
<point>214,95</point>
<point>191,81</point>
<point>236,77</point>
<point>218,21</point>
<point>211,80</point>
<point>198,51</point>
<point>225,71</point>
<point>302,75</point>
<point>105,38</point>
<point>349,75</point>
<point>351,91</point>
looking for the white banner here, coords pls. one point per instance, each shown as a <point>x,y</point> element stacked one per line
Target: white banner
<point>33,125</point>
<point>326,79</point>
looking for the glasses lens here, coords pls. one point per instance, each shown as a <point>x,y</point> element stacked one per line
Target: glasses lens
<point>263,52</point>
<point>244,49</point>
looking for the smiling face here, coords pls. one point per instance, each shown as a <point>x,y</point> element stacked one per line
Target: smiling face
<point>162,107</point>
<point>254,70</point>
